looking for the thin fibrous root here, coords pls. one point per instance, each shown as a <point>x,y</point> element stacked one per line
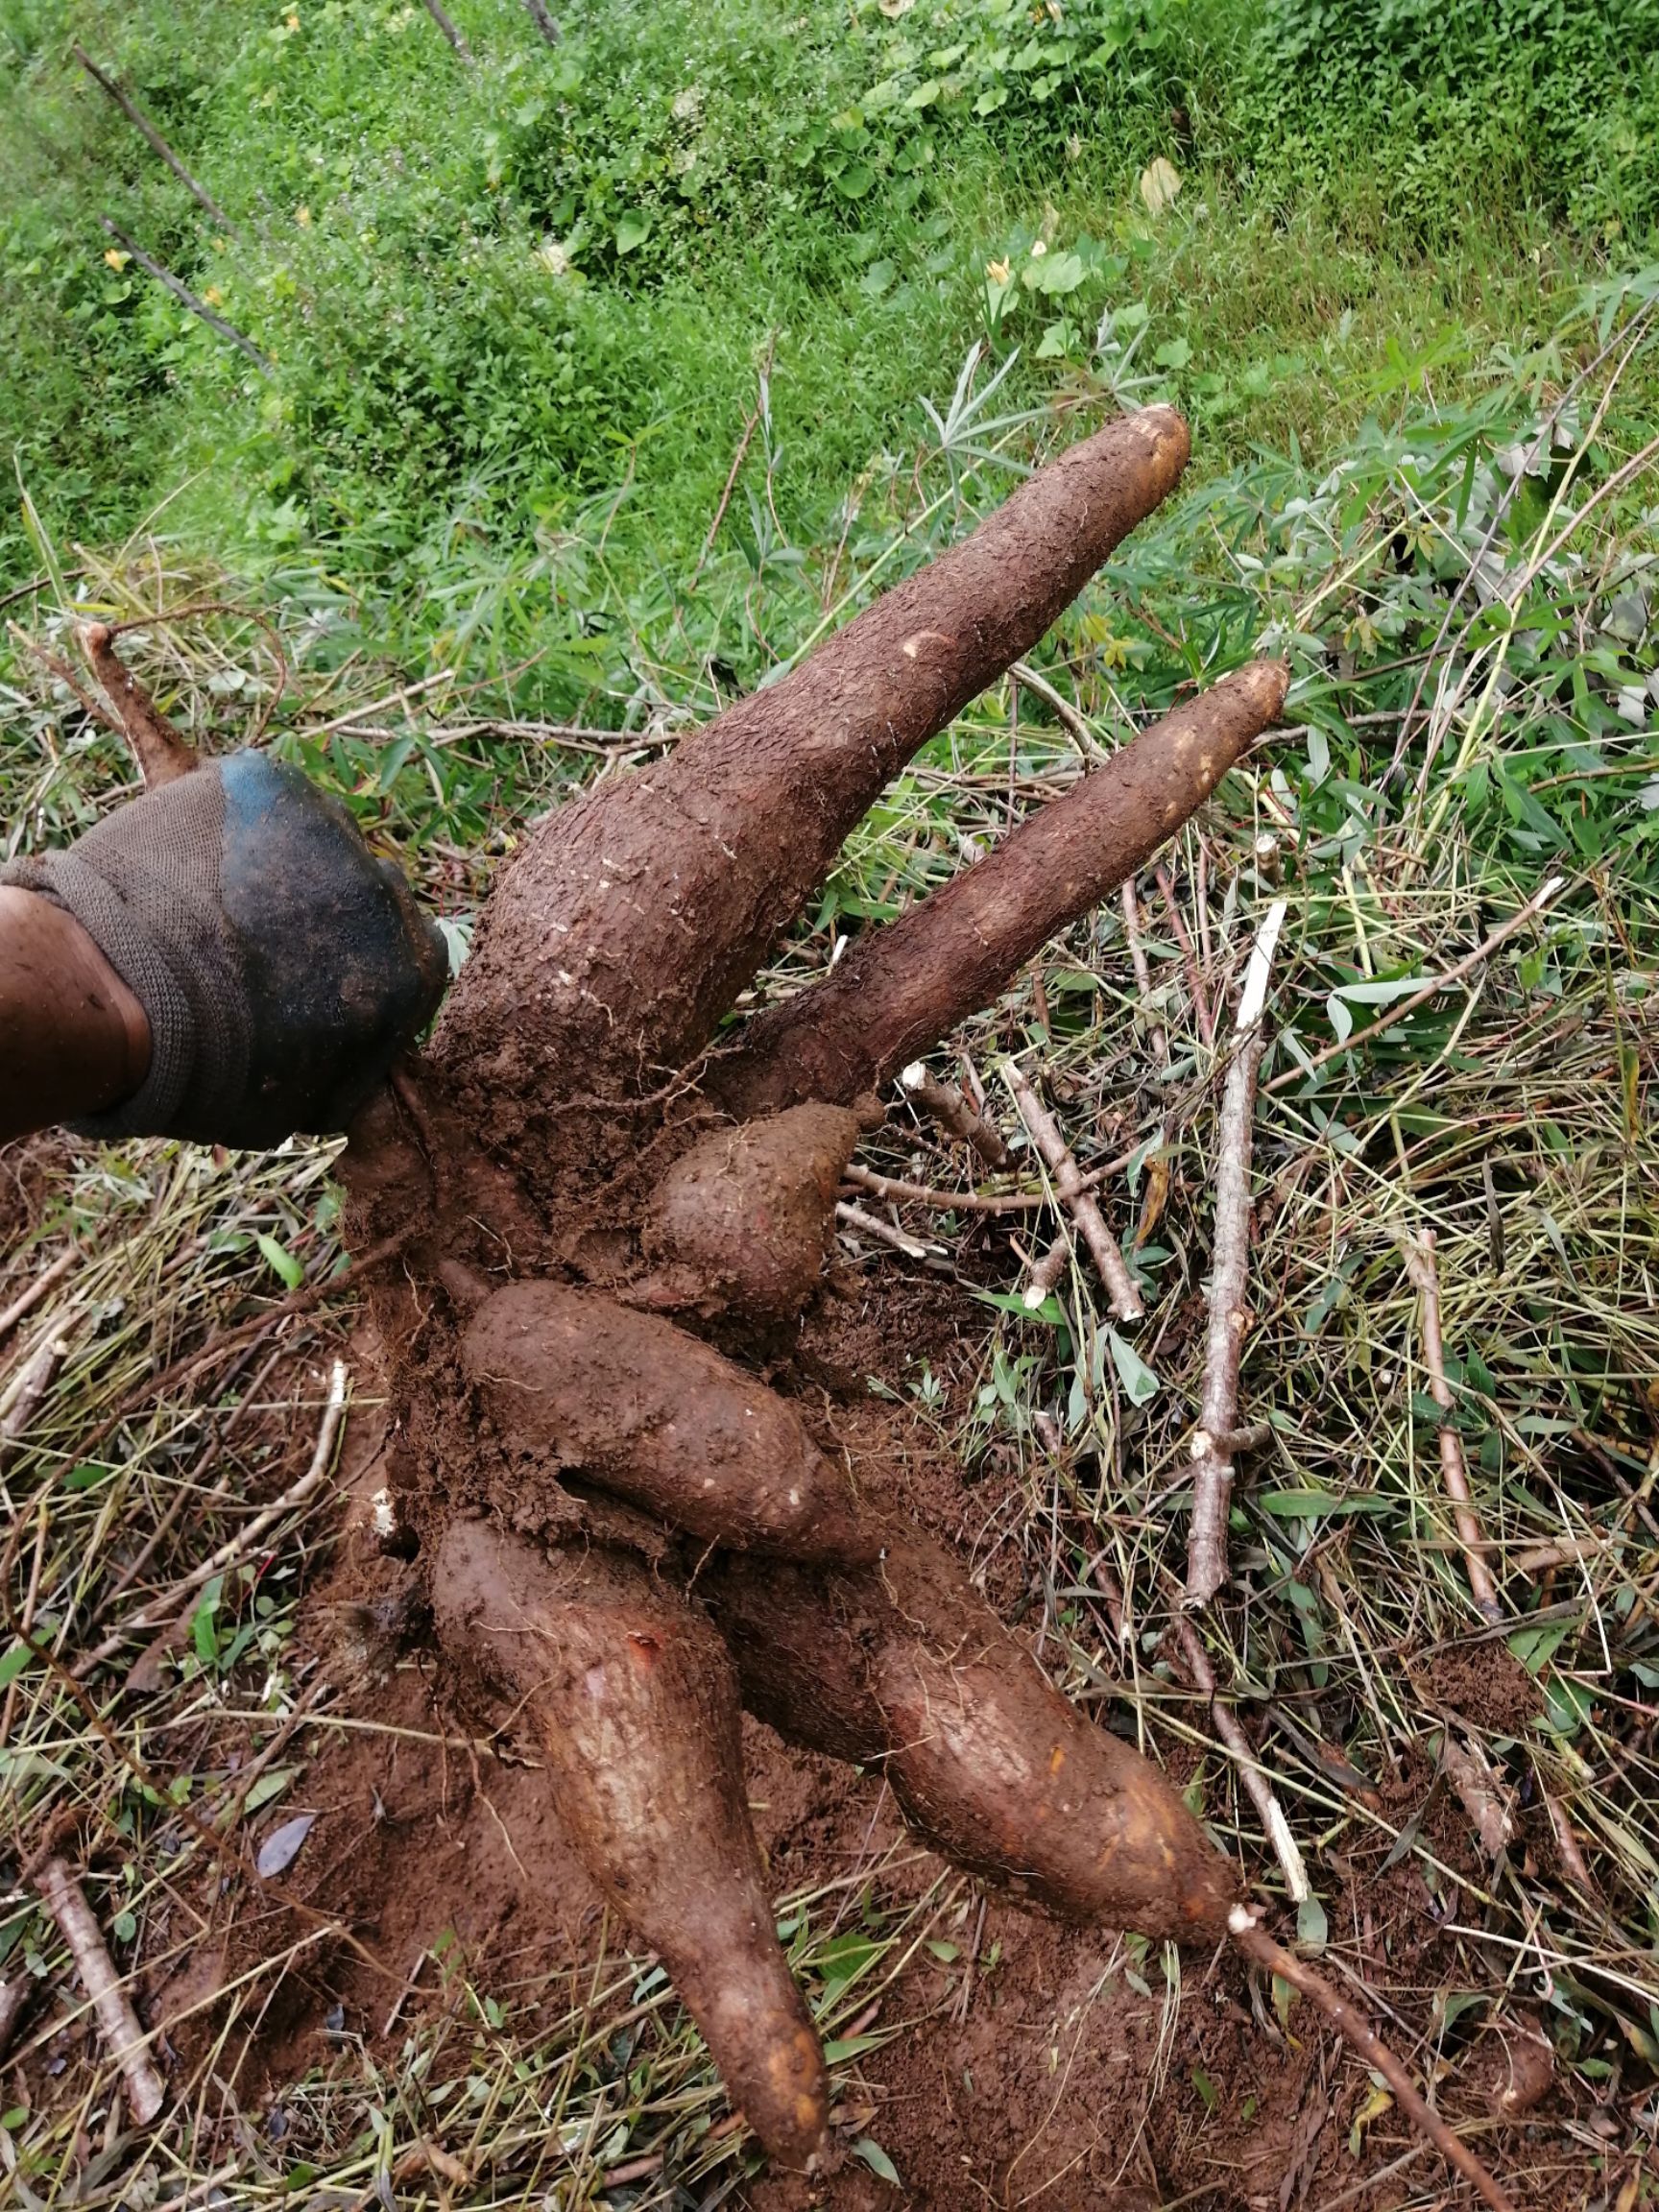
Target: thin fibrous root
<point>117,2023</point>
<point>1260,1947</point>
<point>1229,1274</point>
<point>900,988</point>
<point>161,752</point>
<point>1419,1257</point>
<point>1080,1201</point>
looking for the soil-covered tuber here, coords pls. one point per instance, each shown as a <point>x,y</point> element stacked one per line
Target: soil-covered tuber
<point>740,1222</point>
<point>575,1381</point>
<point>631,1698</point>
<point>903,1665</point>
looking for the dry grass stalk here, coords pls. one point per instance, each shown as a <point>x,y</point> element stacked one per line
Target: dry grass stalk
<point>163,1610</point>
<point>1421,1267</point>
<point>1056,1156</point>
<point>1157,1042</point>
<point>117,2023</point>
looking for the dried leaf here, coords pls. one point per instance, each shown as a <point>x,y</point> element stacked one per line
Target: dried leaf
<point>1160,185</point>
<point>281,1847</point>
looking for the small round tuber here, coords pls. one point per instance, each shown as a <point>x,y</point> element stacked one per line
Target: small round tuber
<point>741,1223</point>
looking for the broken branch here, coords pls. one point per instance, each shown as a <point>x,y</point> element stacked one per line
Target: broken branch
<point>147,130</point>
<point>1056,1155</point>
<point>950,1108</point>
<point>117,2022</point>
<point>1229,1273</point>
<point>182,293</point>
<point>1455,974</point>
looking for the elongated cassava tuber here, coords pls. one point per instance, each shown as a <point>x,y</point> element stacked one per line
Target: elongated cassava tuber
<point>904,1667</point>
<point>630,1699</point>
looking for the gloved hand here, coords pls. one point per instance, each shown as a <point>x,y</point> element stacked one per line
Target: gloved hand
<point>281,966</point>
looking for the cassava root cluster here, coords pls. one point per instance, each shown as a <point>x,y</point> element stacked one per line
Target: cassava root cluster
<point>611,1223</point>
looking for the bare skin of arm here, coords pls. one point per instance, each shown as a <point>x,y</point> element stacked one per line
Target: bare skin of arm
<point>73,1038</point>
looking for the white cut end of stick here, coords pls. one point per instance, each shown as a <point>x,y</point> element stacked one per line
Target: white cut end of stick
<point>1240,1920</point>
<point>913,1078</point>
<point>385,1519</point>
<point>1254,1000</point>
<point>1285,1851</point>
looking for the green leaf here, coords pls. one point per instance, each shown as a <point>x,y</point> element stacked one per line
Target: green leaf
<point>281,1260</point>
<point>87,1476</point>
<point>124,1927</point>
<point>203,1624</point>
<point>13,1663</point>
<point>632,231</point>
<point>840,2049</point>
<point>1313,1930</point>
<point>1173,353</point>
<point>1140,1385</point>
<point>924,95</point>
<point>1308,1504</point>
<point>876,2159</point>
<point>269,1786</point>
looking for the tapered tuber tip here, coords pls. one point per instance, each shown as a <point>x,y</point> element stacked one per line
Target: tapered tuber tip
<point>1171,440</point>
<point>1269,682</point>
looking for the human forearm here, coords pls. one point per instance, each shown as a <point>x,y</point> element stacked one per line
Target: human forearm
<point>73,1038</point>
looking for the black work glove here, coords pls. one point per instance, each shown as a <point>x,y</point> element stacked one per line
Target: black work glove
<point>282,967</point>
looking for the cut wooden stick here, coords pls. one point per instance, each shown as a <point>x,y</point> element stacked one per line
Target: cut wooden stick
<point>147,130</point>
<point>182,293</point>
<point>543,21</point>
<point>865,1224</point>
<point>162,755</point>
<point>1212,1446</point>
<point>1419,1257</point>
<point>1045,1272</point>
<point>1073,1192</point>
<point>27,1300</point>
<point>1257,1787</point>
<point>1352,2026</point>
<point>127,2043</point>
<point>950,1108</point>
